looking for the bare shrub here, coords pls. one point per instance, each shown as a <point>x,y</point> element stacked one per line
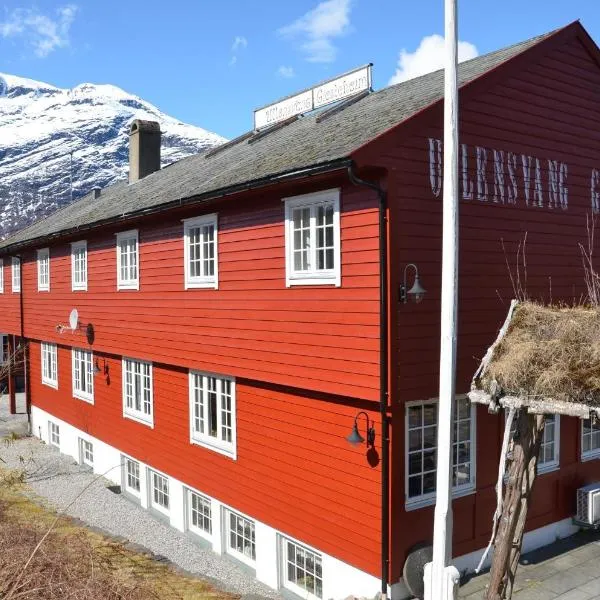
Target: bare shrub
<point>592,279</point>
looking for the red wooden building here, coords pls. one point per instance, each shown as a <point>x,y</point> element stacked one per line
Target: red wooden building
<point>247,303</point>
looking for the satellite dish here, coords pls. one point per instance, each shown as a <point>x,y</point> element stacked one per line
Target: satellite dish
<point>74,319</point>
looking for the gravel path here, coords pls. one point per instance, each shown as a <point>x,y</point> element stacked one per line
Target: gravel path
<point>59,479</point>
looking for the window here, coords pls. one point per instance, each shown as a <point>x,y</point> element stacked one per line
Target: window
<point>79,266</point>
<point>127,260</point>
<point>159,496</point>
<point>86,451</point>
<point>199,514</point>
<point>549,456</point>
<point>49,365</point>
<point>200,250</point>
<point>43,268</point>
<point>302,572</point>
<point>54,434</point>
<point>1,276</point>
<point>83,375</point>
<point>131,477</point>
<point>421,459</point>
<point>241,538</point>
<point>590,439</point>
<point>212,412</point>
<point>16,274</point>
<point>312,238</point>
<point>137,390</point>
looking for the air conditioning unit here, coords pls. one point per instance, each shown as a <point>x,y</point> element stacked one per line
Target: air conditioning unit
<point>588,504</point>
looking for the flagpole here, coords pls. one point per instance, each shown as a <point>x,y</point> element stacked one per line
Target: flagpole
<point>442,580</point>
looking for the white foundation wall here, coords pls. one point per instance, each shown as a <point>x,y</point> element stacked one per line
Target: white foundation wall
<point>340,579</point>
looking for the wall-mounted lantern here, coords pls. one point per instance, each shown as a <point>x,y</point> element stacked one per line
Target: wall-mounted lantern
<point>355,438</point>
<point>416,292</point>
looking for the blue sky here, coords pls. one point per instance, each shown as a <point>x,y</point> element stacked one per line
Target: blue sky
<point>211,63</point>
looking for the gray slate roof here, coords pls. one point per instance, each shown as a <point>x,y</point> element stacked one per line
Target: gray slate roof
<point>303,143</point>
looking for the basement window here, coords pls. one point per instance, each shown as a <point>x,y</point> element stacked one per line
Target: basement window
<point>127,260</point>
<point>312,239</point>
<point>212,412</point>
<point>159,492</point>
<point>200,252</point>
<point>50,365</point>
<point>131,477</point>
<point>54,434</point>
<point>199,514</point>
<point>16,274</point>
<point>137,391</point>
<point>86,452</point>
<point>83,375</point>
<point>79,277</point>
<point>421,451</point>
<point>43,269</point>
<point>241,538</point>
<point>302,570</point>
<point>590,439</point>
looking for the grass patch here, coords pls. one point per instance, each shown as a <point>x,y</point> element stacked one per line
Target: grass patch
<point>76,563</point>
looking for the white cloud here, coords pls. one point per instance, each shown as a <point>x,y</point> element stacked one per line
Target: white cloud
<point>239,43</point>
<point>318,27</point>
<point>44,33</point>
<point>429,56</point>
<point>286,72</point>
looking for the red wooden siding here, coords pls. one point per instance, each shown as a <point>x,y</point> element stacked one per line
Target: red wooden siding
<point>548,110</point>
<point>314,337</point>
<point>294,469</point>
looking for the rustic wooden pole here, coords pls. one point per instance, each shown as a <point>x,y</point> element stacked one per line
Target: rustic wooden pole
<point>522,471</point>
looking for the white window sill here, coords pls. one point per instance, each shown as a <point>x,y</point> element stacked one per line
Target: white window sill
<point>548,468</point>
<point>137,494</point>
<point>14,291</point>
<point>228,451</point>
<point>239,556</point>
<point>84,397</point>
<point>416,503</point>
<point>192,284</point>
<point>50,383</point>
<point>314,280</point>
<point>144,420</point>
<point>79,289</point>
<point>160,509</point>
<point>200,533</point>
<point>45,289</point>
<point>592,455</point>
<point>133,285</point>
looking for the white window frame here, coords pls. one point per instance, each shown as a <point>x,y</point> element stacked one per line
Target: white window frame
<point>126,461</point>
<point>231,551</point>
<point>312,276</point>
<point>49,352</point>
<point>85,395</point>
<point>16,274</point>
<point>85,453</point>
<point>201,281</point>
<point>458,490</point>
<point>54,434</point>
<point>189,492</point>
<point>165,510</point>
<point>80,286</point>
<point>594,453</point>
<point>131,412</point>
<point>285,582</point>
<point>204,439</point>
<point>128,283</point>
<point>43,256</point>
<point>1,276</point>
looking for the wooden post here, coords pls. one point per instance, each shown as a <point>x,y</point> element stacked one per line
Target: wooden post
<point>11,375</point>
<point>522,471</point>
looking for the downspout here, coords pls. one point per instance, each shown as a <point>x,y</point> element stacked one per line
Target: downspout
<point>25,348</point>
<point>383,377</point>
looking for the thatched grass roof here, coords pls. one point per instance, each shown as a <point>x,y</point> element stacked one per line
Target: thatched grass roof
<point>546,358</point>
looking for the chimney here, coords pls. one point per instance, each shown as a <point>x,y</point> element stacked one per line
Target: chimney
<point>144,149</point>
<point>96,192</point>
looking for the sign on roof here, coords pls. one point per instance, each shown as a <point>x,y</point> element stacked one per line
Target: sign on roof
<point>341,87</point>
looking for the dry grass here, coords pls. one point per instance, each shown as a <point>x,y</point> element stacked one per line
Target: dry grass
<point>75,563</point>
<point>550,352</point>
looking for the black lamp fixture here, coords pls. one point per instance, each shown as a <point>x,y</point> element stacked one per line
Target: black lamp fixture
<point>104,369</point>
<point>355,438</point>
<point>416,292</point>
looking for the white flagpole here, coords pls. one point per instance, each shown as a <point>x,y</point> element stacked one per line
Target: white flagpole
<point>442,528</point>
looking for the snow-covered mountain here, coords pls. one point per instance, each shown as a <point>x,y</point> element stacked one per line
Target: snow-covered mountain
<point>50,137</point>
